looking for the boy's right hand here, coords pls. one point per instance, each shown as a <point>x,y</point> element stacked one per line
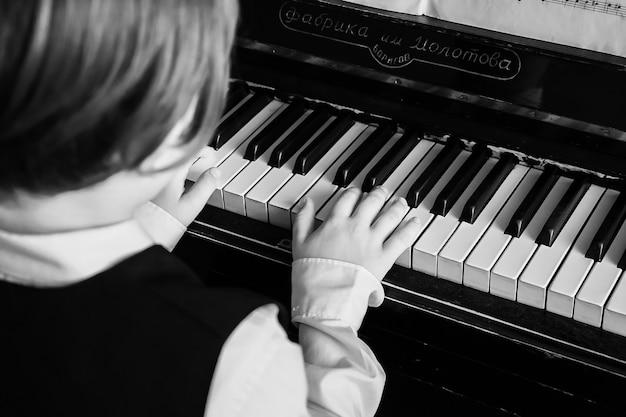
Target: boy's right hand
<point>358,231</point>
<point>185,204</point>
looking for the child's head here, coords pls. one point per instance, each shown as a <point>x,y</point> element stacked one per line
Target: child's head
<point>89,88</point>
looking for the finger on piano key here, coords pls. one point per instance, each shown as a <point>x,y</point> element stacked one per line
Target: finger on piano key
<point>405,258</point>
<point>362,156</point>
<point>240,117</point>
<point>274,130</point>
<point>430,243</point>
<point>423,185</point>
<point>237,91</point>
<point>391,160</point>
<point>606,234</point>
<point>483,194</point>
<point>309,128</point>
<point>533,284</point>
<point>511,263</point>
<point>478,265</point>
<point>235,162</point>
<point>257,199</point>
<point>323,212</point>
<point>238,138</point>
<point>615,310</point>
<point>563,210</point>
<point>574,269</point>
<point>423,210</point>
<point>279,207</point>
<point>235,191</point>
<point>403,169</point>
<point>535,197</point>
<point>314,151</point>
<point>324,188</point>
<point>593,294</point>
<point>467,236</point>
<point>450,194</point>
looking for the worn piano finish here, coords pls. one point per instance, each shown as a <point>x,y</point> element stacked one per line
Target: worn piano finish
<point>448,349</point>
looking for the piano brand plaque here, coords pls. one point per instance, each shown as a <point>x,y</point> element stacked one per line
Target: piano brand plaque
<point>396,45</point>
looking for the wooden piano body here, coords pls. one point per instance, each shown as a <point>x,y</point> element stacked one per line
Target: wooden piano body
<point>447,348</point>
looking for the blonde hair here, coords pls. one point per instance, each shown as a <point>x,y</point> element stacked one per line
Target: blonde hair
<point>89,88</point>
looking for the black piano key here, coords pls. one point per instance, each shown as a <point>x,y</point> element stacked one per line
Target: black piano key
<point>485,191</point>
<point>563,211</point>
<point>459,182</point>
<point>274,130</point>
<point>383,169</point>
<point>433,173</point>
<point>323,142</point>
<point>622,262</point>
<point>524,214</point>
<point>608,229</point>
<point>353,165</point>
<point>237,91</point>
<point>296,139</point>
<point>239,118</point>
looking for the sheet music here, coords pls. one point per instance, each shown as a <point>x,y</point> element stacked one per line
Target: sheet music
<point>594,25</point>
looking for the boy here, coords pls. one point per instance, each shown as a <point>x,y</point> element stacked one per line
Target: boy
<point>104,105</point>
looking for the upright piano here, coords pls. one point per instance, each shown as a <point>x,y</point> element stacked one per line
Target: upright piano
<point>512,302</point>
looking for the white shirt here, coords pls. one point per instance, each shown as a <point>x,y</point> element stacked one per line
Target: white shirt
<point>259,371</point>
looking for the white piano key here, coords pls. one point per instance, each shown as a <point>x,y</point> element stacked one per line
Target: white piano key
<point>257,199</point>
<point>595,291</point>
<point>572,272</point>
<point>414,161</point>
<point>615,311</point>
<point>406,166</point>
<point>509,267</point>
<point>533,284</point>
<point>465,238</point>
<point>235,162</point>
<point>403,171</point>
<point>429,244</point>
<point>324,211</point>
<point>238,138</point>
<point>478,265</point>
<point>422,211</point>
<point>279,206</point>
<point>403,190</point>
<point>235,191</point>
<point>324,188</point>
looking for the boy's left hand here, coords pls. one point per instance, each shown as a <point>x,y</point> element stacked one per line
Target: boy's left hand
<point>186,204</point>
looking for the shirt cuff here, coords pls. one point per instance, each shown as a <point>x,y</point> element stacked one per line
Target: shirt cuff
<point>161,226</point>
<point>331,289</point>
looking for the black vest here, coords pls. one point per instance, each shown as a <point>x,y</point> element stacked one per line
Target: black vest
<point>141,339</point>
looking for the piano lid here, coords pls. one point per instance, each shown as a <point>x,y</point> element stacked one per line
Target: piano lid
<point>573,87</point>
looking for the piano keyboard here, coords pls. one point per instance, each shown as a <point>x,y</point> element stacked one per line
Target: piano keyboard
<point>535,235</point>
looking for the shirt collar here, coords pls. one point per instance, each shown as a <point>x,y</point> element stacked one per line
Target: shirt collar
<point>58,259</point>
